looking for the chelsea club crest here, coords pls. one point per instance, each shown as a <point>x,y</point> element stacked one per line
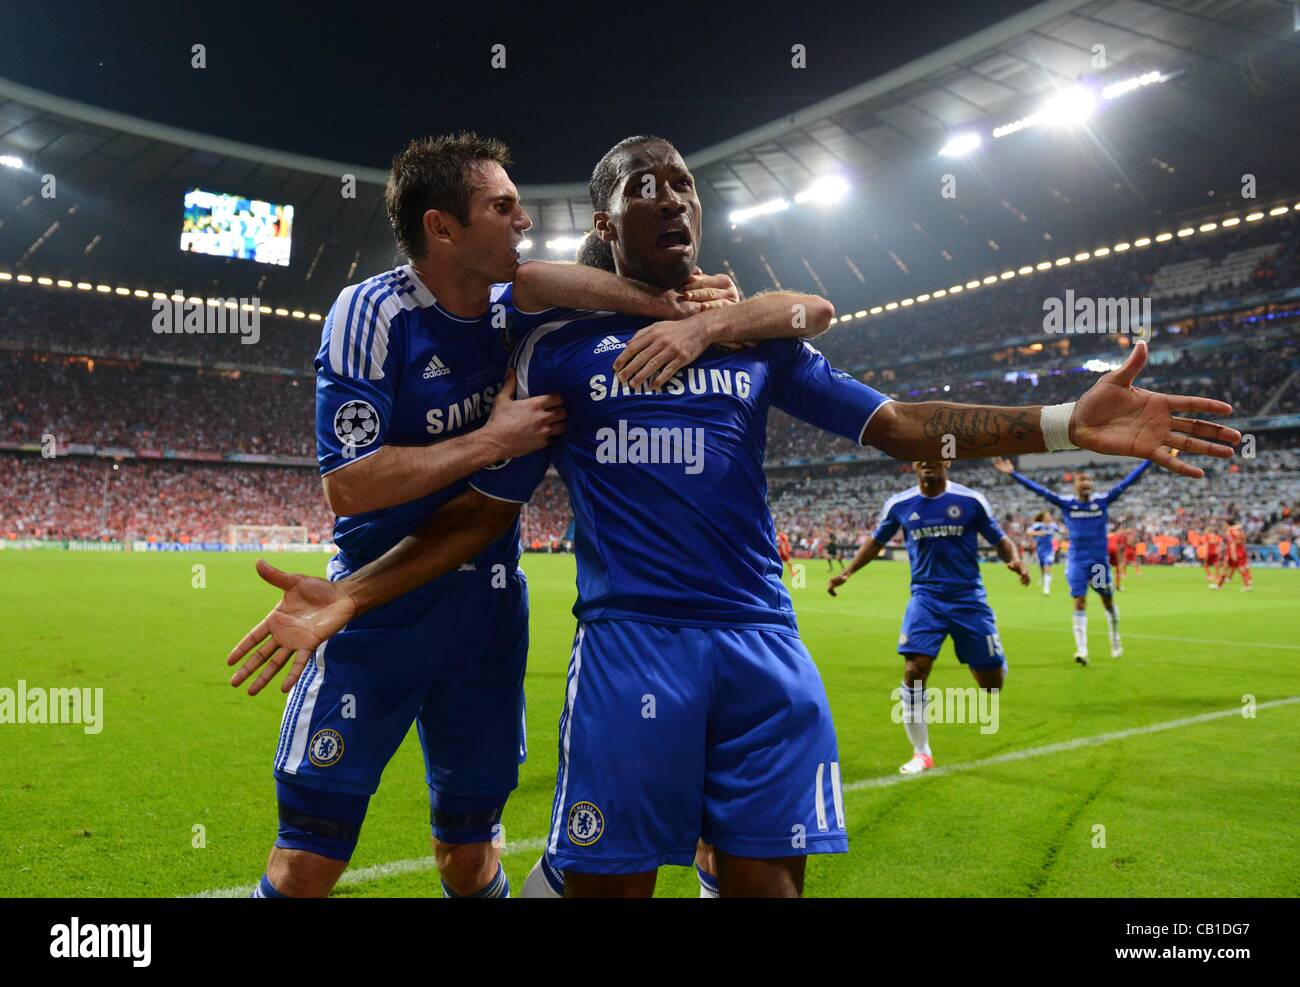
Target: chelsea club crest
<point>326,748</point>
<point>586,824</point>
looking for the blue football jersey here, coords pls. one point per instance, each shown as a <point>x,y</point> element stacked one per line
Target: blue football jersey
<point>1042,532</point>
<point>942,542</point>
<point>395,368</point>
<point>1085,520</point>
<point>667,487</point>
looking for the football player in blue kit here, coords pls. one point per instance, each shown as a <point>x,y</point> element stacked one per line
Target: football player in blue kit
<point>942,523</point>
<point>1087,517</point>
<point>411,364</point>
<point>1043,531</point>
<point>691,707</point>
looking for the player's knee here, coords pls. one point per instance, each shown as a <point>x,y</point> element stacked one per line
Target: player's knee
<point>302,874</point>
<point>315,825</point>
<point>466,867</point>
<point>467,837</point>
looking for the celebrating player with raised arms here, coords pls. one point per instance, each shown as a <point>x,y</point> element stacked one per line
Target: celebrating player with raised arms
<point>692,709</point>
<point>942,522</point>
<point>1086,517</point>
<point>1044,531</point>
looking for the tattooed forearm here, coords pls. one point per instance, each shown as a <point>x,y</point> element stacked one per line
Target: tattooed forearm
<point>978,428</point>
<point>937,429</point>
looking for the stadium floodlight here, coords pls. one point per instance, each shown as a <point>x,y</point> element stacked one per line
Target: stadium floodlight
<point>1254,217</point>
<point>738,216</point>
<point>960,145</point>
<point>941,293</point>
<point>1043,265</point>
<point>890,306</point>
<point>1082,256</point>
<point>564,244</point>
<point>1068,108</point>
<point>922,299</point>
<point>1136,82</point>
<point>907,301</point>
<point>1145,241</point>
<point>1101,366</point>
<point>25,278</point>
<point>1007,275</point>
<point>1186,231</point>
<point>47,282</point>
<point>1207,227</point>
<point>1101,252</point>
<point>862,312</point>
<point>825,190</point>
<point>1232,221</point>
<point>1277,210</point>
<point>877,309</point>
<point>11,161</point>
<point>1027,269</point>
<point>525,244</point>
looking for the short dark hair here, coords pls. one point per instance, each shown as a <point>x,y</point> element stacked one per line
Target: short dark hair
<point>435,173</point>
<point>595,252</point>
<point>604,176</point>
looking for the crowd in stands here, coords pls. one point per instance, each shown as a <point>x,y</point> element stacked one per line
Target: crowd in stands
<point>87,367</point>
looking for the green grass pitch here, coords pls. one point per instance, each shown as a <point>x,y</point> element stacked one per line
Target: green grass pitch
<point>1200,809</point>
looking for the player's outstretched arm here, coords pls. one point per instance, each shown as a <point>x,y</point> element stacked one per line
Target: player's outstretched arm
<point>312,610</point>
<point>1112,417</point>
<point>657,352</point>
<point>864,556</point>
<point>399,474</point>
<point>1007,468</point>
<point>1009,554</point>
<point>541,285</point>
<point>1113,494</point>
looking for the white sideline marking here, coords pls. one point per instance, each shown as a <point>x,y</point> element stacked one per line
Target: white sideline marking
<point>1065,745</point>
<point>377,871</point>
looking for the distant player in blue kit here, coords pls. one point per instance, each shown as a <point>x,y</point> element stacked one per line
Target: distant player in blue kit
<point>942,523</point>
<point>1086,519</point>
<point>1044,531</point>
<point>692,710</point>
<point>410,402</point>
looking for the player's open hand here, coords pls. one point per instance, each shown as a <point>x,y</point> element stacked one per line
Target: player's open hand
<point>1004,466</point>
<point>1117,418</point>
<point>1021,570</point>
<point>311,611</point>
<point>837,580</point>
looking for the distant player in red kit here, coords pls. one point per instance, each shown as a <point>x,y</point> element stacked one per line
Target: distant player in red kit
<point>783,549</point>
<point>1213,558</point>
<point>1235,558</point>
<point>1131,555</point>
<point>1115,555</point>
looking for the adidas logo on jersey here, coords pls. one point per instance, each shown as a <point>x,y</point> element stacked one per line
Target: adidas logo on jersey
<point>609,344</point>
<point>915,517</point>
<point>436,368</point>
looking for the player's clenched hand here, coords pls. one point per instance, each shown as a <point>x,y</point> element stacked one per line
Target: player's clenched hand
<point>837,580</point>
<point>311,611</point>
<point>1117,418</point>
<point>1021,570</point>
<point>1004,466</point>
<point>518,426</point>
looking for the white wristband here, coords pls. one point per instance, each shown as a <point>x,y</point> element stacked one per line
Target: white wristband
<point>1055,423</point>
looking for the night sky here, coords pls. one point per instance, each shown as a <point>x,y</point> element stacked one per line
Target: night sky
<point>353,85</point>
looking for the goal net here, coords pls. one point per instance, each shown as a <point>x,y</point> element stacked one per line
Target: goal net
<point>266,535</point>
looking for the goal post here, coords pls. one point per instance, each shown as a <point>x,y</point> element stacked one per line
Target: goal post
<point>265,535</point>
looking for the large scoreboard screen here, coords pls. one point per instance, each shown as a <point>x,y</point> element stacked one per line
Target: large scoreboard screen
<point>233,226</point>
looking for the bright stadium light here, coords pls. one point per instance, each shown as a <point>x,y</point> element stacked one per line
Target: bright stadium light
<point>738,216</point>
<point>11,161</point>
<point>960,145</point>
<point>525,244</point>
<point>828,188</point>
<point>564,244</point>
<point>1136,82</point>
<point>1069,108</point>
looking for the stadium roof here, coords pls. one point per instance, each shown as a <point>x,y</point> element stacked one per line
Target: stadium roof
<point>1226,107</point>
